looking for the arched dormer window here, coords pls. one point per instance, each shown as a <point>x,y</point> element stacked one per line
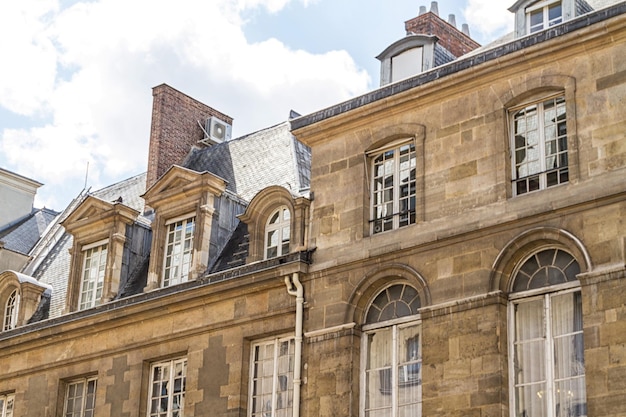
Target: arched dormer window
<point>276,222</point>
<point>391,354</point>
<point>11,310</point>
<point>546,344</point>
<point>278,233</point>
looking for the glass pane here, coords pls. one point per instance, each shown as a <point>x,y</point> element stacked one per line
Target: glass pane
<point>570,398</point>
<point>379,349</point>
<point>531,401</point>
<point>529,320</point>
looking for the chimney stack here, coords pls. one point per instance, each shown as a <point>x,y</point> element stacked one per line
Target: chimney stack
<point>422,10</point>
<point>452,20</point>
<point>434,8</point>
<point>175,129</point>
<point>465,29</point>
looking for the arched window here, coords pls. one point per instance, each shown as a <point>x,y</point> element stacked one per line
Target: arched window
<point>11,310</point>
<point>392,358</point>
<point>277,233</point>
<point>547,365</point>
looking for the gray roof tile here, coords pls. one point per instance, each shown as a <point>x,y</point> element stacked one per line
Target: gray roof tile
<point>256,161</point>
<point>22,236</point>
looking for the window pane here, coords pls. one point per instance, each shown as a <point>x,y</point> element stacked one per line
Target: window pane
<point>178,252</point>
<point>531,401</point>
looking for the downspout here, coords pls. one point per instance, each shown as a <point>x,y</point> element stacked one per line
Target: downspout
<point>292,282</point>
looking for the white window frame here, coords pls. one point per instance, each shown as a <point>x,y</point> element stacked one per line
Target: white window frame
<point>545,177</point>
<point>545,294</point>
<point>85,400</point>
<point>181,264</point>
<point>281,229</point>
<point>381,203</point>
<point>11,311</point>
<point>171,380</point>
<point>92,275</point>
<point>278,389</point>
<point>395,326</point>
<point>7,405</point>
<point>544,7</point>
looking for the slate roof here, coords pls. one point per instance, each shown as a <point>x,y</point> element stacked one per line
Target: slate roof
<point>127,192</point>
<point>52,264</point>
<point>22,236</point>
<point>250,163</point>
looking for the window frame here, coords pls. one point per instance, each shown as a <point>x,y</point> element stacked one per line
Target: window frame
<point>84,410</point>
<point>103,256</point>
<point>11,311</point>
<point>6,401</point>
<point>281,226</point>
<point>275,377</point>
<point>171,381</point>
<point>545,294</point>
<point>181,276</point>
<point>394,220</point>
<point>562,172</point>
<point>546,22</point>
<point>395,325</point>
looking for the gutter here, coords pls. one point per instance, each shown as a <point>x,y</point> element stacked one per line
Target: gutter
<point>297,373</point>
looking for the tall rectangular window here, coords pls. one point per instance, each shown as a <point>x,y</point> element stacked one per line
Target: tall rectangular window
<point>392,379</point>
<point>548,367</point>
<point>178,251</point>
<point>543,15</point>
<point>6,405</point>
<point>80,398</point>
<point>539,144</point>
<point>11,310</point>
<point>92,281</point>
<point>167,388</point>
<point>393,187</point>
<point>271,374</point>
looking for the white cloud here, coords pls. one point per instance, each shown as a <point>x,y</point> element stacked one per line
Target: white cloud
<point>489,17</point>
<point>91,67</point>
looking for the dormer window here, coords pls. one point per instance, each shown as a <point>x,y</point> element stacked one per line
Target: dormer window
<point>277,233</point>
<point>10,311</point>
<point>186,225</point>
<point>94,267</point>
<point>99,229</point>
<point>178,251</point>
<point>544,15</point>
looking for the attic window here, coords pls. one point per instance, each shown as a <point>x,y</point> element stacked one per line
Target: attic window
<point>543,15</point>
<point>406,64</point>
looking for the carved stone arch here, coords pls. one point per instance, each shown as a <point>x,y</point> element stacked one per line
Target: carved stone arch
<point>29,290</point>
<point>377,280</point>
<point>378,137</point>
<point>528,242</point>
<point>264,203</point>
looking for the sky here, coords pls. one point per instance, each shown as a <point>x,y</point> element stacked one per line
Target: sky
<point>76,77</point>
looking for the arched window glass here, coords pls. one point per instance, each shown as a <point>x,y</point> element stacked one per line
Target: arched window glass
<point>10,311</point>
<point>277,233</point>
<point>392,357</point>
<point>547,365</point>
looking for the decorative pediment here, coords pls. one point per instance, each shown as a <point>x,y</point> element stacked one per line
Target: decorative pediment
<point>94,211</point>
<point>181,183</point>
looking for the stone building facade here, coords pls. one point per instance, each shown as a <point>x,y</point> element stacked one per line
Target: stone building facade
<point>451,244</point>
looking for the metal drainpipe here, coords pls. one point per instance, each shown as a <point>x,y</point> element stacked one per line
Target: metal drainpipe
<point>297,366</point>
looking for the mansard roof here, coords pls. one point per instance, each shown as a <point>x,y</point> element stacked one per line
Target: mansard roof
<point>22,236</point>
<point>253,162</point>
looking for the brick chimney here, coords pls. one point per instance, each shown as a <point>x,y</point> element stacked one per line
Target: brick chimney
<point>429,23</point>
<point>175,129</point>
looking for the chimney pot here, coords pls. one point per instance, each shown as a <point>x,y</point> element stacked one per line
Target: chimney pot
<point>452,20</point>
<point>434,8</point>
<point>465,29</point>
<point>422,10</point>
